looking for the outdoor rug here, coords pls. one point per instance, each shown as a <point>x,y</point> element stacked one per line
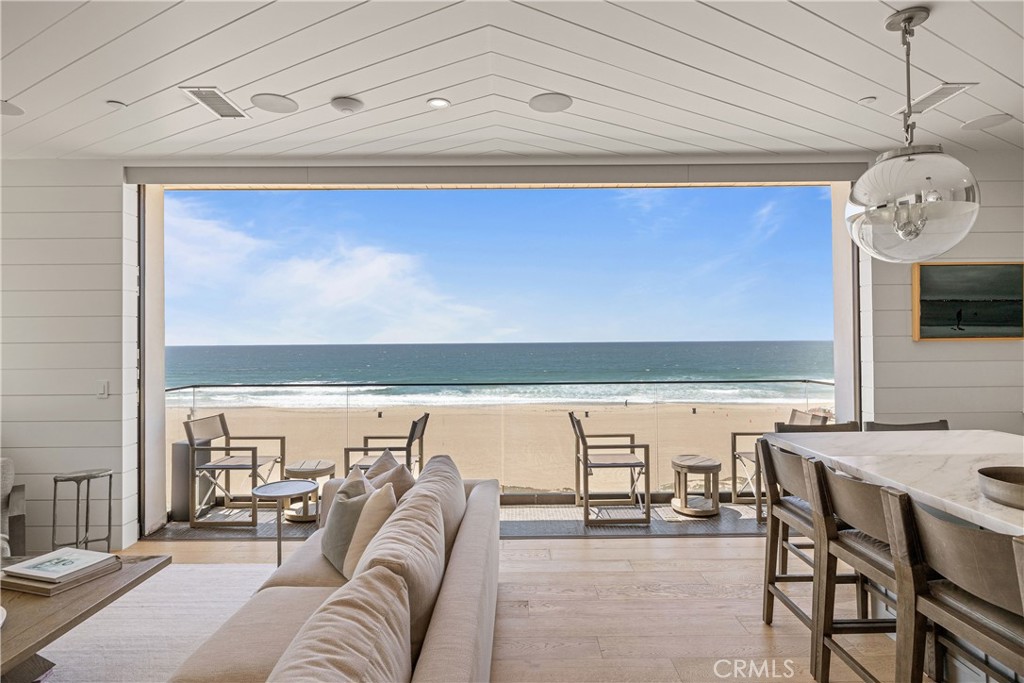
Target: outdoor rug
<point>265,530</point>
<point>148,632</point>
<point>566,521</point>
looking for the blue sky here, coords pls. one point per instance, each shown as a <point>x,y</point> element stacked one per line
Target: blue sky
<point>419,266</point>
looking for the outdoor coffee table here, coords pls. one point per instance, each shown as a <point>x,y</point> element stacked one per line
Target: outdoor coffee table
<point>682,467</point>
<point>35,621</point>
<point>282,491</point>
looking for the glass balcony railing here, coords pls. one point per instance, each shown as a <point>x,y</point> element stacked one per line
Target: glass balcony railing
<point>518,433</point>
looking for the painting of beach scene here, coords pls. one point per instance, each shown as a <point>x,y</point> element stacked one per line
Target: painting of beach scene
<point>968,301</point>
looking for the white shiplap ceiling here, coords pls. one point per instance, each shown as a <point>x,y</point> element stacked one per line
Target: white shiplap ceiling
<point>653,82</point>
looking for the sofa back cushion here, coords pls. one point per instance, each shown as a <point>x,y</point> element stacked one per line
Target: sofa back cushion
<point>360,633</point>
<point>411,544</point>
<point>441,477</point>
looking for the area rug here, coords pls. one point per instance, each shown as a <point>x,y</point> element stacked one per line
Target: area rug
<point>566,521</point>
<point>147,633</point>
<point>265,529</point>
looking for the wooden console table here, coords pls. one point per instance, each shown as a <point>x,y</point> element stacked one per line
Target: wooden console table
<point>35,621</point>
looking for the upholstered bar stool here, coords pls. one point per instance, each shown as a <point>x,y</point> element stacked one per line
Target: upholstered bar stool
<point>685,465</point>
<point>82,539</point>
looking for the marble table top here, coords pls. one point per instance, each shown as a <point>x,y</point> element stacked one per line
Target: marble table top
<point>937,468</point>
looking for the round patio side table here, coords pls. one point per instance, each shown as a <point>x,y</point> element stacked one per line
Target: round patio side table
<point>307,510</point>
<point>281,491</point>
<point>684,465</point>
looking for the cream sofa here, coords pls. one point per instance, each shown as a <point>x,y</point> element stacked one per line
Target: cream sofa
<point>459,617</point>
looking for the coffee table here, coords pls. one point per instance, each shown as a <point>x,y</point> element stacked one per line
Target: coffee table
<point>35,621</point>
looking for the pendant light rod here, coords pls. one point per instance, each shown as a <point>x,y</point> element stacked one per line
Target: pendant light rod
<point>904,21</point>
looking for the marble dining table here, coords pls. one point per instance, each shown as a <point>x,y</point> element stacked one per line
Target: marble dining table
<point>937,468</point>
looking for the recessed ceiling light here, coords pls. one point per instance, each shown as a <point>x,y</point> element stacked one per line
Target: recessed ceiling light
<point>10,109</point>
<point>347,105</point>
<point>275,104</point>
<point>439,103</point>
<point>550,102</point>
<point>870,99</point>
<point>116,104</point>
<point>983,122</point>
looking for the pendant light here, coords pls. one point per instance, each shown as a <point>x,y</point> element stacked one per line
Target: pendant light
<point>914,203</point>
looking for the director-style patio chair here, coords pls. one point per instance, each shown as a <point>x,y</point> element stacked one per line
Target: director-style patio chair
<point>398,444</point>
<point>619,453</point>
<point>202,434</point>
<point>747,461</point>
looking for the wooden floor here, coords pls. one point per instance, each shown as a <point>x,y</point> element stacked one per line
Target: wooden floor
<point>660,609</point>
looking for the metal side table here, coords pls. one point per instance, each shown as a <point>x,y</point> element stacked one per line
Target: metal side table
<point>281,491</point>
<point>82,539</point>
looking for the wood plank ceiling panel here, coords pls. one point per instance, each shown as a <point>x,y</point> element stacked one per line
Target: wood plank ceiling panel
<point>163,49</point>
<point>287,67</point>
<point>24,20</point>
<point>881,69</point>
<point>151,91</point>
<point>721,71</point>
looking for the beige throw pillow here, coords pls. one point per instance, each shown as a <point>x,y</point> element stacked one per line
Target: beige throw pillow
<point>411,544</point>
<point>360,633</point>
<point>375,512</point>
<point>384,463</point>
<point>400,476</point>
<point>358,511</point>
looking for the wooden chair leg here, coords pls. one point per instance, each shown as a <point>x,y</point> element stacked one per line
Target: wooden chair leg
<point>771,557</point>
<point>862,597</point>
<point>783,552</point>
<point>823,611</point>
<point>910,640</point>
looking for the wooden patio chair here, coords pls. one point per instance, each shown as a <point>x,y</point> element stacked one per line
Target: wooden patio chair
<point>398,444</point>
<point>623,456</point>
<point>202,434</point>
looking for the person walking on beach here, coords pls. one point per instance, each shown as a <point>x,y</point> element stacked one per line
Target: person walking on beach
<point>959,318</point>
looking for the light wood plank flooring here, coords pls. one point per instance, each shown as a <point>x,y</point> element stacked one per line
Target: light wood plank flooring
<point>643,609</point>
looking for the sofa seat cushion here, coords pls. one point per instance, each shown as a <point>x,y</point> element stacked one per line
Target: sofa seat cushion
<point>441,477</point>
<point>306,567</point>
<point>411,544</point>
<point>361,633</point>
<point>248,645</point>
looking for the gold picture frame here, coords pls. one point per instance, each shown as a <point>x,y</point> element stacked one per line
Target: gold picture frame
<point>968,301</point>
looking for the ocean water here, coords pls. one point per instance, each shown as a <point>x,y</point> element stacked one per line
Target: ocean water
<point>610,372</point>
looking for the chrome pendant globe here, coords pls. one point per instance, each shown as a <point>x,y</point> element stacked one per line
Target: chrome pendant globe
<point>913,204</point>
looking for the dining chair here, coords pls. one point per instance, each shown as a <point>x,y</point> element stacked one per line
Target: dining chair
<point>623,455</point>
<point>788,509</point>
<point>978,597</point>
<point>849,527</point>
<point>747,461</point>
<point>937,425</point>
<point>397,444</point>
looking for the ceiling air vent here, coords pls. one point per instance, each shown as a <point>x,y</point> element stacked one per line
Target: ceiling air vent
<point>935,97</point>
<point>216,101</point>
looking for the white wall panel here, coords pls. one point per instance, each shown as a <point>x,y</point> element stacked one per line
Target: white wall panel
<point>974,384</point>
<point>68,301</point>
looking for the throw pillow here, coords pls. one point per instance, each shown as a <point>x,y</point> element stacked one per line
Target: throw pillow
<point>343,517</point>
<point>360,633</point>
<point>441,477</point>
<point>411,544</point>
<point>384,463</point>
<point>400,476</point>
<point>375,512</point>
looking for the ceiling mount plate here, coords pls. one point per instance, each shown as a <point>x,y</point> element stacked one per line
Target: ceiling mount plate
<point>912,16</point>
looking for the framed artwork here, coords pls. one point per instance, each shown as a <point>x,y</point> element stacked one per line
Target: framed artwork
<point>968,301</point>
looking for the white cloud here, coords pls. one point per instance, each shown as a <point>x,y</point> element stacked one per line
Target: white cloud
<point>226,287</point>
<point>765,222</point>
<point>643,199</point>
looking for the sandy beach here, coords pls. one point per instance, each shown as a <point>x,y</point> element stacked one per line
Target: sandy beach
<point>524,446</point>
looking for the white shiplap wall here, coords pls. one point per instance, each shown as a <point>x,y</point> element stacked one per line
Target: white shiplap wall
<point>68,231</point>
<point>975,384</point>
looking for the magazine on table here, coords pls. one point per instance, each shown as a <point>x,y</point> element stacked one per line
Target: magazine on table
<point>61,565</point>
<point>48,588</point>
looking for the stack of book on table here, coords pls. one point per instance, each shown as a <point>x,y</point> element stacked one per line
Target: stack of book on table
<point>58,571</point>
